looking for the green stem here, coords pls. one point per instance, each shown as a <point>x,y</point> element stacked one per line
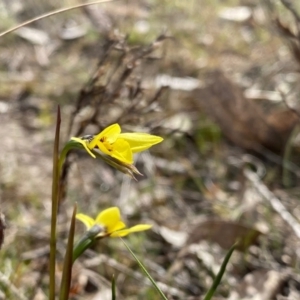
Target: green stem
<point>86,241</point>
<point>55,178</point>
<point>219,276</point>
<point>68,146</point>
<point>68,261</point>
<point>145,271</point>
<point>113,288</point>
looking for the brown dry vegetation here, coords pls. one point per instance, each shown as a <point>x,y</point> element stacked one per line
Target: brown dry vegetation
<point>221,86</point>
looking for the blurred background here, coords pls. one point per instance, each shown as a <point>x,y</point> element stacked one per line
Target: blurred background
<point>219,80</point>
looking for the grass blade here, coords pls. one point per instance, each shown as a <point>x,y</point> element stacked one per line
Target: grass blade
<point>146,272</point>
<point>219,276</point>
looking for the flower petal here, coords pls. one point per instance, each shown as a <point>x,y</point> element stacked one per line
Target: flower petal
<point>120,233</point>
<point>111,219</point>
<point>84,144</point>
<point>140,141</point>
<point>121,151</point>
<point>86,220</point>
<point>124,232</point>
<point>103,148</point>
<point>117,226</point>
<point>111,133</point>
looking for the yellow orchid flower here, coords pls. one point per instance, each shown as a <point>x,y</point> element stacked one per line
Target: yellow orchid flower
<point>110,220</point>
<point>120,146</point>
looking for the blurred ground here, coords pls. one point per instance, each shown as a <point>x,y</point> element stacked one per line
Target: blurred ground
<point>219,80</point>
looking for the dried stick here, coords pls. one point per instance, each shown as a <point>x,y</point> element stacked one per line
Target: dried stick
<point>52,13</point>
<point>274,201</point>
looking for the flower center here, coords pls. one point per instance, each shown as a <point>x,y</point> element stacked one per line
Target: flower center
<point>106,144</point>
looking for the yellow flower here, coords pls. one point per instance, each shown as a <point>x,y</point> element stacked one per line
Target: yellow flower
<point>118,145</point>
<point>110,220</point>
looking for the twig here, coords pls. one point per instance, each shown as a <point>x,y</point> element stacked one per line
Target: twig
<point>52,13</point>
<point>274,201</point>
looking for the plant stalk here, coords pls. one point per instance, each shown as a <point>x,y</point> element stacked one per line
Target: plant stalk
<point>55,193</point>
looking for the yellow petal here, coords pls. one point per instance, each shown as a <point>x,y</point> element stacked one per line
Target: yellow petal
<point>86,220</point>
<point>111,219</point>
<point>119,225</point>
<point>111,133</point>
<point>121,151</point>
<point>102,148</point>
<point>120,233</point>
<point>124,232</point>
<point>84,144</point>
<point>140,141</point>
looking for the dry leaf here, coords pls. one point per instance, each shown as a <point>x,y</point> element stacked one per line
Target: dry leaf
<point>224,233</point>
<point>241,120</point>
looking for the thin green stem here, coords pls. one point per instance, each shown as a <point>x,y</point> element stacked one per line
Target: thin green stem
<point>55,193</point>
<point>145,271</point>
<point>68,261</point>
<point>113,288</point>
<point>86,241</point>
<point>219,276</point>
